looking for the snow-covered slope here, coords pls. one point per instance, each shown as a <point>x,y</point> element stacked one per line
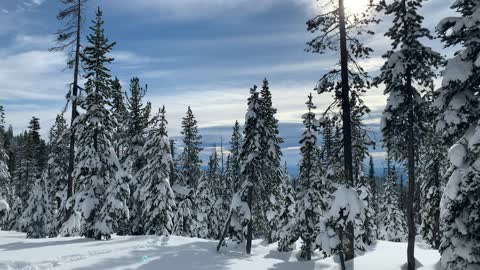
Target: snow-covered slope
<point>179,253</point>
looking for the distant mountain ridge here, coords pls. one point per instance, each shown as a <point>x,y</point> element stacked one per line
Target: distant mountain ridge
<point>290,132</point>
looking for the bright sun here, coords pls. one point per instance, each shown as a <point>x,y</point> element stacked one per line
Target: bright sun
<point>356,6</point>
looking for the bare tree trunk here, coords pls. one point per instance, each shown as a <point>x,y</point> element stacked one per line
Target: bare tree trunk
<point>411,176</point>
<point>71,156</point>
<point>347,129</point>
<point>250,223</point>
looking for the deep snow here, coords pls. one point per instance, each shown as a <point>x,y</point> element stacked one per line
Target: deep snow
<point>180,253</point>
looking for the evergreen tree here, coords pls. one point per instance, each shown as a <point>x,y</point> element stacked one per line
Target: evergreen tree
<point>105,192</point>
<point>190,157</point>
<point>57,169</point>
<point>313,196</point>
<point>372,184</point>
<point>366,232</point>
<point>204,200</point>
<point>135,127</point>
<point>458,121</point>
<point>390,219</point>
<point>269,193</point>
<point>407,73</point>
<point>119,111</point>
<point>287,217</point>
<point>183,219</point>
<point>136,123</point>
<point>240,221</point>
<point>159,200</point>
<point>340,32</point>
<point>431,175</point>
<point>37,214</point>
<point>14,220</point>
<point>56,172</point>
<point>234,161</point>
<point>219,196</point>
<point>5,183</point>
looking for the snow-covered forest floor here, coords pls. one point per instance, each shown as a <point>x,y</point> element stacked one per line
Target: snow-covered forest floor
<point>180,253</point>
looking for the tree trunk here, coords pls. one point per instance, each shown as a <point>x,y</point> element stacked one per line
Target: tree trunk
<point>347,129</point>
<point>250,223</point>
<point>411,175</point>
<point>71,157</point>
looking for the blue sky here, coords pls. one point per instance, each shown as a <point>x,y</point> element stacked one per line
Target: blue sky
<point>202,53</point>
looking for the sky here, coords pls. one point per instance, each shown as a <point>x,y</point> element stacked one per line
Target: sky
<point>200,53</point>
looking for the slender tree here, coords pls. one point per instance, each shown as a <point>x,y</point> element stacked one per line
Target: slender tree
<point>390,218</point>
<point>70,38</point>
<point>339,32</point>
<point>158,198</point>
<point>135,130</point>
<point>407,74</point>
<point>190,157</point>
<point>313,199</point>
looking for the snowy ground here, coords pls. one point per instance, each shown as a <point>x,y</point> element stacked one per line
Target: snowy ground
<point>179,253</point>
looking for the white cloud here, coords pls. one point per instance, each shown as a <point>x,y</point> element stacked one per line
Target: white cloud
<point>33,75</point>
<point>34,41</point>
<point>193,9</point>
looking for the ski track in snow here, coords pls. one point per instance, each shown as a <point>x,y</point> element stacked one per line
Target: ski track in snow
<point>179,253</point>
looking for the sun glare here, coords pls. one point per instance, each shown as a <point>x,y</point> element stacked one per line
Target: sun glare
<point>356,6</point>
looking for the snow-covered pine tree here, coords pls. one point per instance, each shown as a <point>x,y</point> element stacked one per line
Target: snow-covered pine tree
<point>33,160</point>
<point>14,219</point>
<point>366,232</point>
<point>191,162</point>
<point>136,124</point>
<point>220,198</point>
<point>4,210</point>
<point>56,171</point>
<point>183,221</point>
<point>313,192</point>
<point>104,187</point>
<point>459,121</point>
<point>204,200</point>
<point>287,218</point>
<point>234,158</point>
<point>5,183</point>
<point>240,223</point>
<point>37,215</point>
<point>432,169</point>
<point>119,111</point>
<point>347,78</point>
<point>157,195</point>
<point>390,218</point>
<point>373,184</point>
<point>269,187</point>
<point>135,128</point>
<point>407,74</point>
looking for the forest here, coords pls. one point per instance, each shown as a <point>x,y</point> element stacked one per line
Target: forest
<point>109,169</point>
